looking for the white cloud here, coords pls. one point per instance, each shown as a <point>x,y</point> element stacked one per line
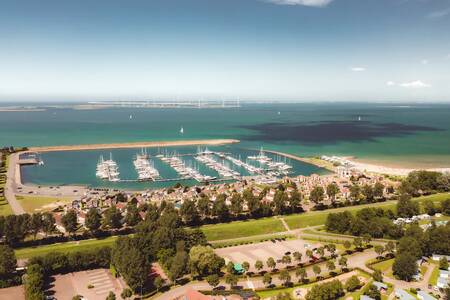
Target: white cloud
<point>314,3</point>
<point>417,84</point>
<point>424,61</point>
<point>358,69</point>
<point>438,14</point>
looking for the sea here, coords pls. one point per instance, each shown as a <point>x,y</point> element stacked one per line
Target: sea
<point>398,135</point>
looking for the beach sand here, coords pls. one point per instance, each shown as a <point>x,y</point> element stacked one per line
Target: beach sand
<point>134,145</point>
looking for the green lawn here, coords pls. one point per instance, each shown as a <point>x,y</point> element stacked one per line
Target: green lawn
<point>241,229</point>
<point>5,208</point>
<point>33,204</point>
<point>64,247</point>
<point>434,275</point>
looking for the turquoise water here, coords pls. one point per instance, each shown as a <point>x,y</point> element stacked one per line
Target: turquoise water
<point>398,135</point>
<point>78,167</point>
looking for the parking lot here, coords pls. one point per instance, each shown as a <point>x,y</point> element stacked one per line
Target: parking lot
<point>262,251</point>
<point>92,284</point>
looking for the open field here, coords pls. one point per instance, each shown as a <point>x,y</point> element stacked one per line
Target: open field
<point>240,229</point>
<point>5,208</point>
<point>134,145</point>
<point>64,247</point>
<point>33,204</point>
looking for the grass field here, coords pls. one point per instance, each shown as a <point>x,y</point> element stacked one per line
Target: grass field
<point>5,208</point>
<point>64,247</point>
<point>33,204</point>
<point>241,229</point>
<point>434,275</point>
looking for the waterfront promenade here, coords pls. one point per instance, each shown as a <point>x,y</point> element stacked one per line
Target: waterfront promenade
<point>12,175</point>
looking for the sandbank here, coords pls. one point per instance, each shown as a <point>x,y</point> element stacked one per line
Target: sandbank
<point>134,145</point>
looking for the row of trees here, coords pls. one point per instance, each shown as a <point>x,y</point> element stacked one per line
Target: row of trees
<point>425,182</point>
<point>374,222</point>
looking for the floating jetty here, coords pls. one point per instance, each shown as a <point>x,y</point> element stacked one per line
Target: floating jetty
<point>144,167</point>
<point>107,169</point>
<point>184,171</point>
<point>220,168</point>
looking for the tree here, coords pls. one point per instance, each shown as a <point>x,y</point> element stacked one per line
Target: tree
<point>301,274</point>
<point>178,266</point>
<point>443,263</point>
<point>246,266</point>
<point>367,239</point>
<point>204,261</point>
<point>189,212</point>
<point>332,191</point>
<point>355,192</point>
<point>405,266</point>
<point>236,204</point>
<point>367,191</point>
<point>34,283</point>
<point>8,262</point>
<point>411,246</point>
<point>330,266</point>
<point>353,283</point>
<point>132,217</point>
<point>231,279</point>
<point>220,208</point>
<point>48,223</point>
<point>343,262</point>
<point>326,291</point>
<point>267,279</point>
<point>271,263</point>
<point>347,244</point>
<point>130,262</point>
<point>357,242</point>
<point>309,253</point>
<point>377,275</point>
<point>69,221</point>
<point>203,206</point>
<point>317,270</point>
<point>286,259</point>
<point>93,219</point>
<point>321,251</point>
<point>285,276</point>
<point>126,293</point>
<point>230,267</point>
<point>373,292</point>
<point>35,224</point>
<point>379,250</point>
<point>213,280</point>
<point>111,296</point>
<point>407,208</point>
<point>378,190</point>
<point>389,247</point>
<point>332,249</point>
<point>113,218</point>
<point>297,256</point>
<point>259,265</point>
<point>317,194</point>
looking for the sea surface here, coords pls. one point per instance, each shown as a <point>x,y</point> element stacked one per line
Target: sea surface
<point>396,135</point>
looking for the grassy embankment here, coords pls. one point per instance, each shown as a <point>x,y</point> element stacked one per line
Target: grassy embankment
<point>234,230</point>
<point>64,247</point>
<point>5,208</point>
<point>32,204</point>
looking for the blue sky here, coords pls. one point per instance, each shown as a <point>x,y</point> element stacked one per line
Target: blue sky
<point>306,50</point>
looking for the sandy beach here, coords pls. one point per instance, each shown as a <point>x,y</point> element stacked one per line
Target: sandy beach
<point>134,145</point>
<point>380,169</point>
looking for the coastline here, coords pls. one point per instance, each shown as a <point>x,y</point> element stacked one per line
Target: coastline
<point>389,170</point>
<point>151,144</point>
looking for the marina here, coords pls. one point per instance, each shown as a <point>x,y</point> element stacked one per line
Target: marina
<point>144,168</point>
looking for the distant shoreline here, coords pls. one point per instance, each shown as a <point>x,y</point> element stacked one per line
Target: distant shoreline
<point>147,144</point>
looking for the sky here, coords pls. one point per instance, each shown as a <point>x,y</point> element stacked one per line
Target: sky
<point>286,50</point>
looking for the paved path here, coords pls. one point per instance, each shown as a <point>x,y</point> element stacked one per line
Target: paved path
<point>11,186</point>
